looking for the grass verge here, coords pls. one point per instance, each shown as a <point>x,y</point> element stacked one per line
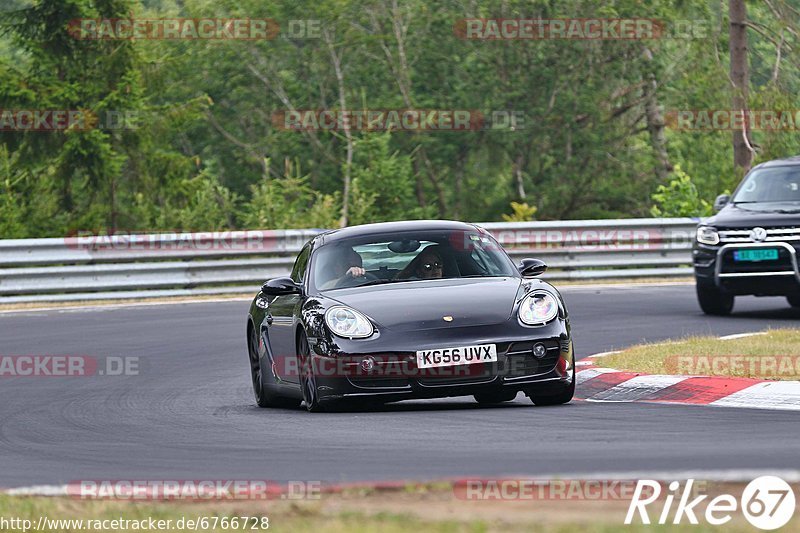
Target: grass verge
<point>396,511</point>
<point>775,354</point>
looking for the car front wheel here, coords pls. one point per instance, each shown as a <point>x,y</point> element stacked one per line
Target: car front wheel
<point>794,300</point>
<point>308,378</point>
<point>264,397</point>
<point>714,301</point>
<point>548,396</point>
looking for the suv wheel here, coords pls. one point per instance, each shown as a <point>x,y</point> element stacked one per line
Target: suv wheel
<point>794,300</point>
<point>714,301</point>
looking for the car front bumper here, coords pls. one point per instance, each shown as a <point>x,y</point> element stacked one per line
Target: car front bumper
<point>342,373</point>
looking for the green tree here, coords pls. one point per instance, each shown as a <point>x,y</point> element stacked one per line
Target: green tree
<point>521,212</point>
<point>679,198</point>
<point>383,183</point>
<point>289,202</point>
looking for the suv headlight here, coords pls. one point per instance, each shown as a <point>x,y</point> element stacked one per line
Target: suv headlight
<point>707,235</point>
<point>347,322</point>
<point>538,308</point>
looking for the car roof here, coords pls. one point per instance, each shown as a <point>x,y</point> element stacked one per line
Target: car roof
<point>785,162</point>
<point>391,227</point>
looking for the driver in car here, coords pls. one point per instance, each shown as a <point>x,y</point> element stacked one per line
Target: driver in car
<point>345,265</point>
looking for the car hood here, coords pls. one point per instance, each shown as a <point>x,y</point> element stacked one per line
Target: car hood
<point>419,305</point>
<point>767,215</point>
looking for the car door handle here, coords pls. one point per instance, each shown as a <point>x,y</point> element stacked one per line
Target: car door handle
<point>269,320</point>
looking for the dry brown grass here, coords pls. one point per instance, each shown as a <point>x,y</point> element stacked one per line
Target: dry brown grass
<point>417,508</point>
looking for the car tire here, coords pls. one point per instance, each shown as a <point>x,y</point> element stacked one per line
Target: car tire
<point>264,398</point>
<point>714,301</point>
<point>554,399</point>
<point>492,398</point>
<point>558,398</point>
<point>794,300</point>
<point>308,378</point>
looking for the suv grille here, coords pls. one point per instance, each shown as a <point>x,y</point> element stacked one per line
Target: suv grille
<point>773,235</point>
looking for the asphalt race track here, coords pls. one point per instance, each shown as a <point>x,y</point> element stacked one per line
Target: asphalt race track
<point>190,412</point>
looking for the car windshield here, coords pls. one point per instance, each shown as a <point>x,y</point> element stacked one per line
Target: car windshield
<point>408,257</point>
<point>779,184</point>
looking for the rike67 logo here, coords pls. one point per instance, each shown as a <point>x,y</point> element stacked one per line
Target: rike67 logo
<point>767,502</point>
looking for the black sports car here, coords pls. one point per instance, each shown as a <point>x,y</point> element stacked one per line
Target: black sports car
<point>401,310</point>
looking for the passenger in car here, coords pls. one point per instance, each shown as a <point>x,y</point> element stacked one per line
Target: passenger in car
<point>427,265</point>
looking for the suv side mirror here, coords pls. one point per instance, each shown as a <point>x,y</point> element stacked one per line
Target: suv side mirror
<point>531,267</point>
<point>279,286</point>
<point>721,201</point>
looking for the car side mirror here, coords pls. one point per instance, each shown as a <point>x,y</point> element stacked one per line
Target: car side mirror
<point>279,286</point>
<point>721,201</point>
<point>531,267</point>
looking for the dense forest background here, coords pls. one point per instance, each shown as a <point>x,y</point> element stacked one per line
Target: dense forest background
<point>205,154</point>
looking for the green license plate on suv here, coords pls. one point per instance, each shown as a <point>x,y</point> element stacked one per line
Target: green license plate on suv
<point>758,254</point>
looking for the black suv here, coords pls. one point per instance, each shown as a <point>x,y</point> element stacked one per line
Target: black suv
<point>751,245</point>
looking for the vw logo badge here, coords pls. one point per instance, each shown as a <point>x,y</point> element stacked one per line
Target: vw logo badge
<point>758,235</point>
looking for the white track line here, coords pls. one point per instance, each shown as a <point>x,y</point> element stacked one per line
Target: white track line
<point>602,354</point>
<point>741,335</point>
<point>38,490</point>
<point>562,288</point>
<point>623,286</point>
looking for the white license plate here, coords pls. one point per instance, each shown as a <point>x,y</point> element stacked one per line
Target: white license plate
<point>461,355</point>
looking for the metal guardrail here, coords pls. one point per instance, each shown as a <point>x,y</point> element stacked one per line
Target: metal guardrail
<point>175,264</point>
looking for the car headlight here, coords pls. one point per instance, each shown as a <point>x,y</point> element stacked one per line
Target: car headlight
<point>538,308</point>
<point>347,322</point>
<point>707,235</point>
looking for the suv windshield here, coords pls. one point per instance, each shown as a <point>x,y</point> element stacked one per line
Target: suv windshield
<point>407,257</point>
<point>779,184</point>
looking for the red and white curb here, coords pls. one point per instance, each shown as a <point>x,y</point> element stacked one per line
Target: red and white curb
<point>599,384</point>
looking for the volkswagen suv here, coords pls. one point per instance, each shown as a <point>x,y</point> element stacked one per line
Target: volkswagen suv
<point>751,245</point>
